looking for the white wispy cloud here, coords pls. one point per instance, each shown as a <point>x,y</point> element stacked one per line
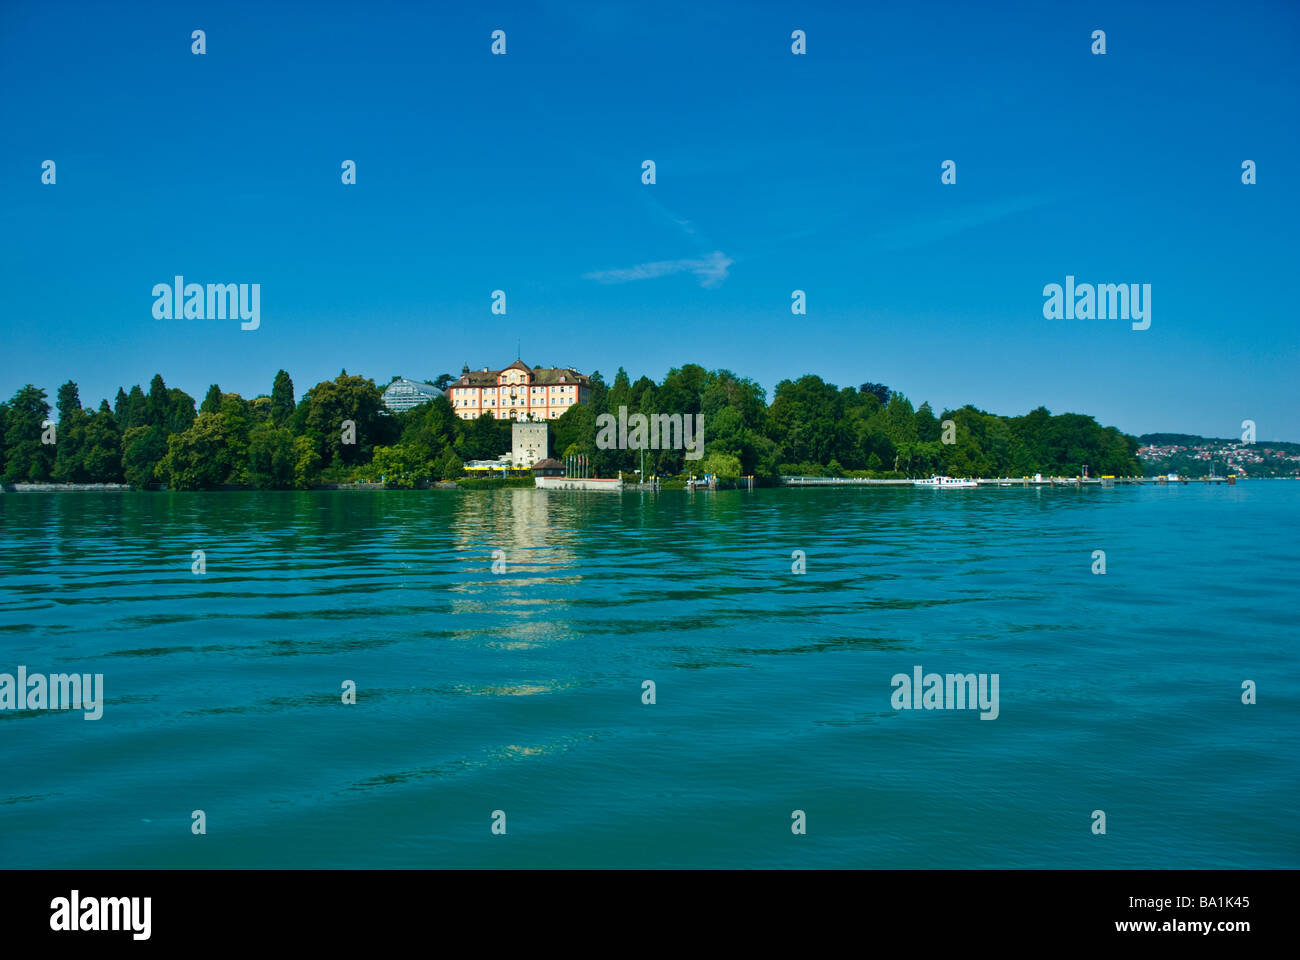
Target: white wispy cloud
<point>710,270</point>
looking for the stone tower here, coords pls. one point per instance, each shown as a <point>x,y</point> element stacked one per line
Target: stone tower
<point>530,443</point>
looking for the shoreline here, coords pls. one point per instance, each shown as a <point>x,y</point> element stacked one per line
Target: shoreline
<point>820,482</point>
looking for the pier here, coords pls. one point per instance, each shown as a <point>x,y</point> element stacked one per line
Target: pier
<point>579,483</point>
<point>1104,482</point>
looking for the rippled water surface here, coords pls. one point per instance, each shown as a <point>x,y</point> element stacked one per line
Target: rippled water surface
<point>522,691</point>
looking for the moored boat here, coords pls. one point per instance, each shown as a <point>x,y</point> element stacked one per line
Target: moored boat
<point>946,483</point>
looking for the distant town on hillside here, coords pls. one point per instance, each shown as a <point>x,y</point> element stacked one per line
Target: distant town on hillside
<point>1189,455</point>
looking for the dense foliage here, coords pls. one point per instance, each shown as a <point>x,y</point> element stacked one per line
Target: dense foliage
<point>815,428</point>
<point>340,431</point>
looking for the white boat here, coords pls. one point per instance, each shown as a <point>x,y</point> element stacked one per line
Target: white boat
<point>946,483</point>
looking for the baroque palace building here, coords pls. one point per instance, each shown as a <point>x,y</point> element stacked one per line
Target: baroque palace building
<point>519,392</point>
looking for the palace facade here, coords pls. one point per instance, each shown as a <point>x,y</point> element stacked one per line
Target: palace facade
<point>519,392</point>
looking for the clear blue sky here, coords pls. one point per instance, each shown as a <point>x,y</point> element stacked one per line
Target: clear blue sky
<point>821,172</point>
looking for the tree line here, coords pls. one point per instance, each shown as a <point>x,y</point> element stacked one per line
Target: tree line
<point>159,437</point>
<point>815,428</point>
<point>340,431</point>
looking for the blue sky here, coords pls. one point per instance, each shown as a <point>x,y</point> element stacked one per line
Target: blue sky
<point>774,173</point>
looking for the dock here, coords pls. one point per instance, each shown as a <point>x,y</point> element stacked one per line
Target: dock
<point>1102,482</point>
<point>579,483</point>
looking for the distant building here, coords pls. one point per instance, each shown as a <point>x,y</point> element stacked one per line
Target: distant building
<point>502,463</point>
<point>519,392</point>
<point>530,443</point>
<point>404,394</point>
<point>548,468</point>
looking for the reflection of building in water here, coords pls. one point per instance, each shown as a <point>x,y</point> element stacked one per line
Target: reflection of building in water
<point>530,514</point>
<point>513,609</point>
<point>518,521</point>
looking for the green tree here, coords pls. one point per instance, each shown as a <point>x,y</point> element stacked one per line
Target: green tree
<point>102,460</point>
<point>156,402</point>
<point>485,437</point>
<point>432,425</point>
<point>877,390</point>
<point>179,411</point>
<point>449,466</point>
<point>599,393</point>
<point>306,465</point>
<point>27,459</point>
<point>199,458</point>
<point>271,458</point>
<point>401,465</point>
<point>237,422</point>
<point>143,448</point>
<point>211,400</point>
<point>722,465</point>
<point>805,420</point>
<point>136,410</point>
<point>928,427</point>
<point>69,401</point>
<point>260,410</point>
<point>619,393</point>
<point>69,466</point>
<point>576,429</point>
<point>282,403</point>
<point>347,398</point>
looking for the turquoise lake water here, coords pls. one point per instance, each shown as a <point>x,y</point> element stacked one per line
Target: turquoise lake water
<point>522,691</point>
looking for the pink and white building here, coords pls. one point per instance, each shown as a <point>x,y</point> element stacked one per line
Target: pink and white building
<point>519,392</point>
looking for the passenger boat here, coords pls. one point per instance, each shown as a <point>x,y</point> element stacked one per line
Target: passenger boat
<point>946,483</point>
